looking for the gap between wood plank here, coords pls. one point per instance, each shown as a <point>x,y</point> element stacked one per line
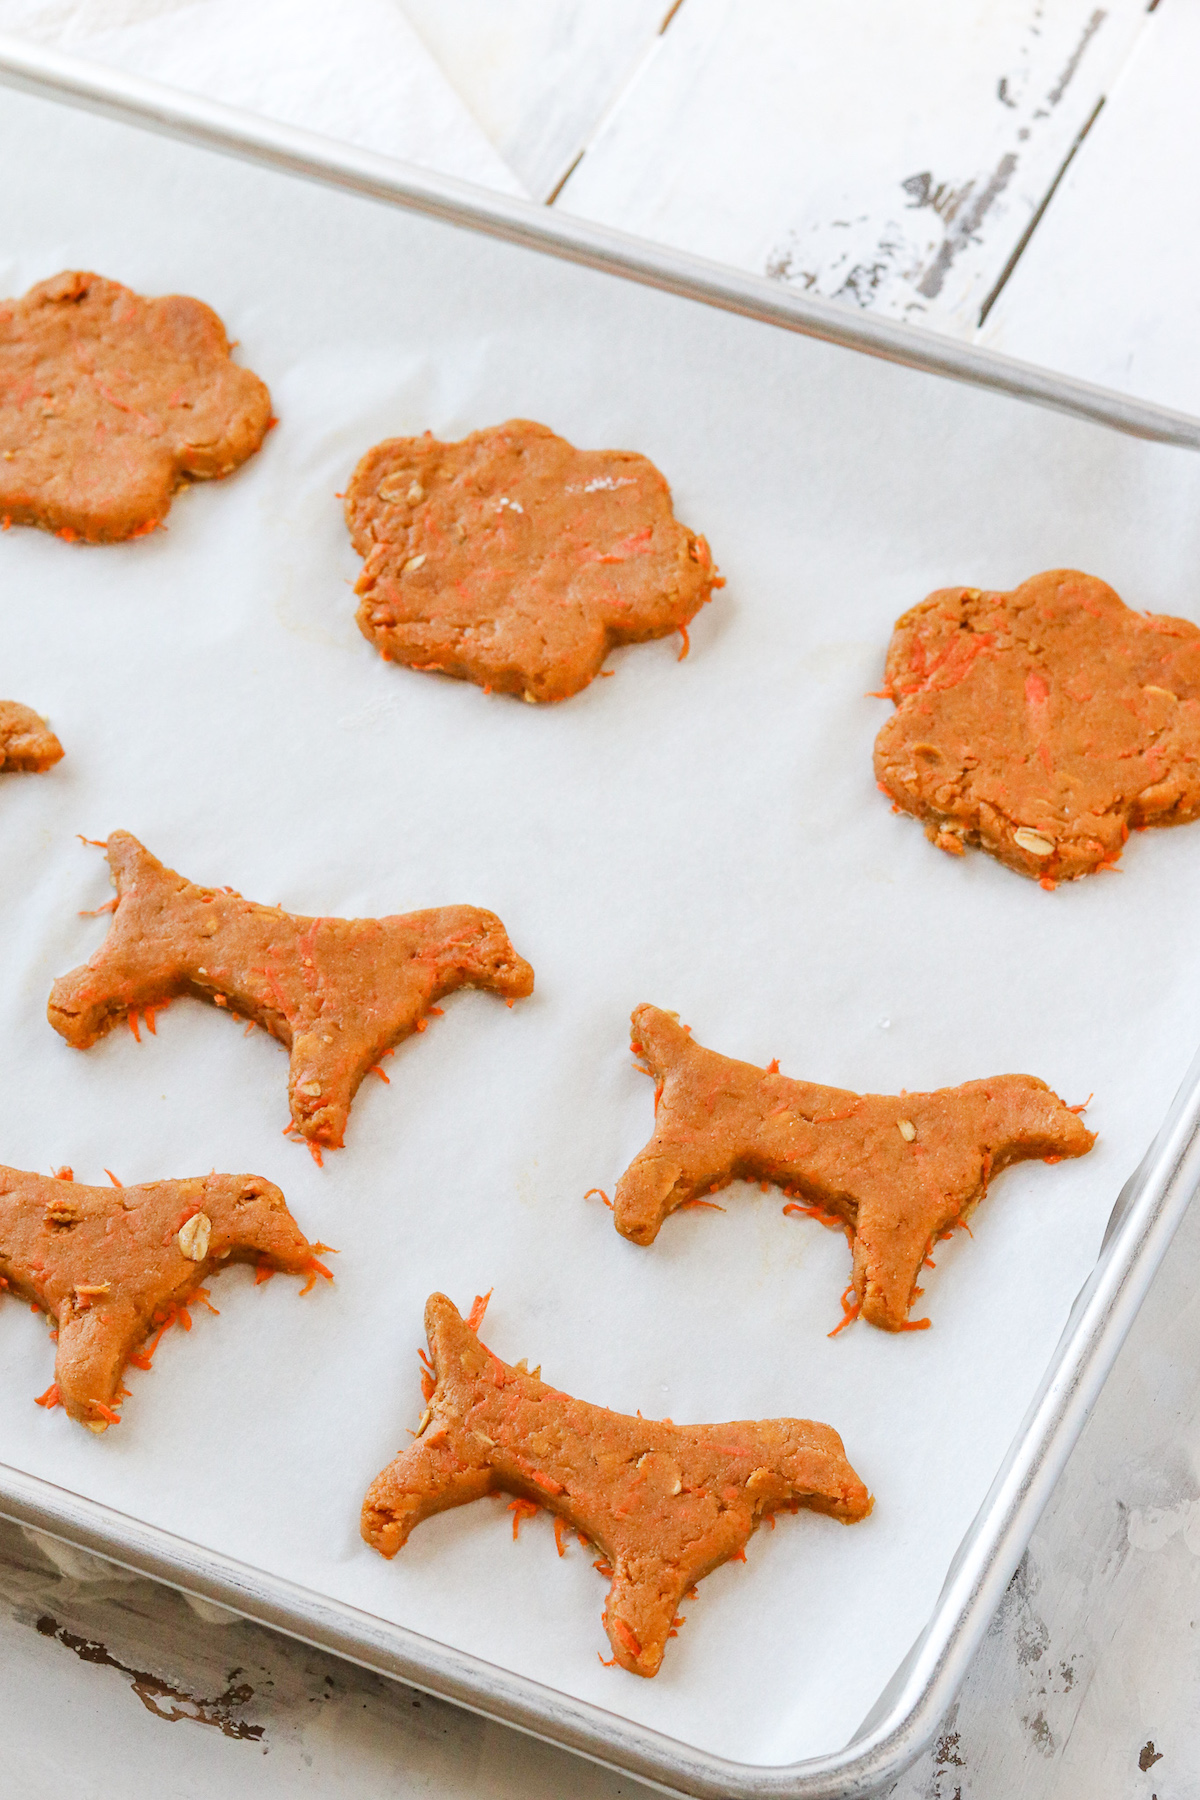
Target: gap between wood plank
<point>1023,240</point>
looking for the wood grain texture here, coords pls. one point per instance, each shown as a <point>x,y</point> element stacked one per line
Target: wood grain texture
<point>888,156</point>
<point>538,75</point>
<point>1108,287</point>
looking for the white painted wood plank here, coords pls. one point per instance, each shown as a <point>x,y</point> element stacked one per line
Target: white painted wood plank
<point>538,75</point>
<point>1109,286</point>
<point>887,155</point>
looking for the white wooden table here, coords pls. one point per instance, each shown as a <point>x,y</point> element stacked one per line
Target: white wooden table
<point>1016,171</point>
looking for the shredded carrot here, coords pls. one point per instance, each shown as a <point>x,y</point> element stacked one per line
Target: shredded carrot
<point>682,629</point>
<point>548,1482</point>
<point>314,1268</point>
<point>602,1195</point>
<point>113,1179</point>
<point>437,1012</point>
<point>610,1664</point>
<point>131,1019</point>
<point>849,1313</point>
<point>773,1066</point>
<point>687,1205</point>
<point>148,1014</point>
<point>1083,1106</point>
<point>376,1070</point>
<point>521,1510</point>
<point>739,1556</point>
<point>50,1397</point>
<point>558,1535</point>
<point>139,1360</point>
<point>480,1306</point>
<point>1052,1159</point>
<point>262,1272</point>
<point>97,843</point>
<point>314,1151</point>
<point>66,1173</point>
<point>627,1637</point>
<point>109,906</point>
<point>201,1294</point>
<point>106,1412</point>
<point>916,1325</point>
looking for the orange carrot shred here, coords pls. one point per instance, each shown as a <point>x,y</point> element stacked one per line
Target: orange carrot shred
<point>682,629</point>
<point>559,1525</point>
<point>131,1019</point>
<point>687,1205</point>
<point>850,1313</point>
<point>113,1179</point>
<point>916,1325</point>
<point>106,1412</point>
<point>475,1316</point>
<point>627,1637</point>
<point>773,1066</point>
<point>314,1269</point>
<point>262,1272</point>
<point>97,843</point>
<point>520,1510</point>
<point>602,1195</point>
<point>50,1397</point>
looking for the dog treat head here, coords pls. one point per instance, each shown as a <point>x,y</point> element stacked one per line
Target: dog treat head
<point>664,1503</point>
<point>111,402</point>
<point>515,561</point>
<point>111,1266</point>
<point>1043,724</point>
<point>894,1173</point>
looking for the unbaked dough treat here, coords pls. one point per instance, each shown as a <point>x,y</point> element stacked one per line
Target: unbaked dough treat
<point>895,1171</point>
<point>337,993</point>
<point>666,1504</point>
<point>26,741</point>
<point>514,560</point>
<point>1042,724</point>
<point>109,403</point>
<point>113,1265</point>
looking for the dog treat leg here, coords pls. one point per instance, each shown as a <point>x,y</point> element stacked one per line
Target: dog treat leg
<point>898,1170</point>
<point>665,1503</point>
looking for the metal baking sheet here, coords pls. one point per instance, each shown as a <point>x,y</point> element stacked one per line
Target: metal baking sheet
<point>706,836</point>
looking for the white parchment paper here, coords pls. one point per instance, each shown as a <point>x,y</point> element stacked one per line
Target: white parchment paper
<point>705,835</point>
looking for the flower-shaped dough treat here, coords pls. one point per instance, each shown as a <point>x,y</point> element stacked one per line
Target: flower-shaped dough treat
<point>109,403</point>
<point>515,561</point>
<point>1043,724</point>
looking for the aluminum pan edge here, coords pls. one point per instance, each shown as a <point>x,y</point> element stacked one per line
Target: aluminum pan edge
<point>904,1720</point>
<point>154,106</point>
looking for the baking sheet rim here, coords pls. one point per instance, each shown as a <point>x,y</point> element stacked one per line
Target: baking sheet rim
<point>1144,1219</point>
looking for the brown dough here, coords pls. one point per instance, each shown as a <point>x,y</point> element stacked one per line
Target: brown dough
<point>1042,724</point>
<point>666,1504</point>
<point>26,741</point>
<point>109,403</point>
<point>896,1171</point>
<point>337,993</point>
<point>110,1265</point>
<point>515,561</point>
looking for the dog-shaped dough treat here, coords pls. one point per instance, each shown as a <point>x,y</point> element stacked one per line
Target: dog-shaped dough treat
<point>111,1266</point>
<point>337,993</point>
<point>27,743</point>
<point>896,1172</point>
<point>109,403</point>
<point>1042,724</point>
<point>515,561</point>
<point>666,1504</point>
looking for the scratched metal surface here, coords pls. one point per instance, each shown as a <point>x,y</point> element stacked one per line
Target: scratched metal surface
<point>1088,1684</point>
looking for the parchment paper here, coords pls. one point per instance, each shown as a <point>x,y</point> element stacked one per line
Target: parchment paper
<point>705,835</point>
